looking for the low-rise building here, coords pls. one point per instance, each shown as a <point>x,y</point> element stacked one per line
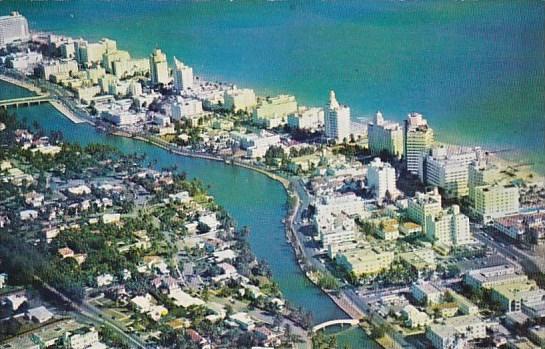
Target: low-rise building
<point>415,318</point>
<point>520,227</point>
<point>187,109</point>
<point>366,261</point>
<point>272,112</point>
<point>306,119</point>
<point>39,314</point>
<point>537,335</point>
<point>465,305</point>
<point>243,320</point>
<point>84,338</point>
<point>420,260</point>
<point>388,229</point>
<point>43,337</point>
<point>493,276</point>
<point>65,68</point>
<point>426,292</point>
<point>239,99</point>
<point>456,332</point>
<point>256,145</point>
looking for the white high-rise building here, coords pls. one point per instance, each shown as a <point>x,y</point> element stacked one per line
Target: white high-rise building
<point>89,54</point>
<point>381,179</point>
<point>449,227</point>
<point>13,28</point>
<point>418,140</point>
<point>385,136</point>
<point>448,169</point>
<point>183,76</point>
<point>337,120</point>
<point>158,68</point>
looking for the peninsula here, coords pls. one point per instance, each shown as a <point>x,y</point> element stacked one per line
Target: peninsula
<point>424,244</point>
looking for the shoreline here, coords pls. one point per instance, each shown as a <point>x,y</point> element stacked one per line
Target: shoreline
<point>343,303</point>
<point>21,84</point>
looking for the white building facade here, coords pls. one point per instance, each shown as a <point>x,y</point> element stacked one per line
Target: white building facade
<point>183,76</point>
<point>337,120</point>
<point>13,28</point>
<point>448,169</point>
<point>381,179</point>
<point>418,140</point>
<point>449,227</point>
<point>158,68</point>
<point>385,136</point>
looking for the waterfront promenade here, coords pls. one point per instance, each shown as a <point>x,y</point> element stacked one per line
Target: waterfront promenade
<point>21,83</point>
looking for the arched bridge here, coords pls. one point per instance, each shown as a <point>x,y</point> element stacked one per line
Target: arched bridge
<point>351,322</point>
<point>24,101</point>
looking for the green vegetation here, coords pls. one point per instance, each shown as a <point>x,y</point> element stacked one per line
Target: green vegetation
<point>322,341</point>
<point>328,281</point>
<point>274,155</point>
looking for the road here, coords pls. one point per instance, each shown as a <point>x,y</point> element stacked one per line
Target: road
<point>520,258</point>
<point>304,201</point>
<point>95,315</point>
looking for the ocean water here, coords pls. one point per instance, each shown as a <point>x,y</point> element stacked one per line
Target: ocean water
<point>475,69</point>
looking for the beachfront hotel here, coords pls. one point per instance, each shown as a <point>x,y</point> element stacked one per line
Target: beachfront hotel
<point>306,119</point>
<point>418,139</point>
<point>239,99</point>
<point>337,120</point>
<point>89,54</point>
<point>158,68</point>
<point>447,168</point>
<point>13,28</point>
<point>183,76</point>
<point>385,135</point>
<point>272,112</point>
<point>496,201</point>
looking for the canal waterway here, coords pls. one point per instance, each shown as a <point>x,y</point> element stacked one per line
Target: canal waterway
<point>252,199</point>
